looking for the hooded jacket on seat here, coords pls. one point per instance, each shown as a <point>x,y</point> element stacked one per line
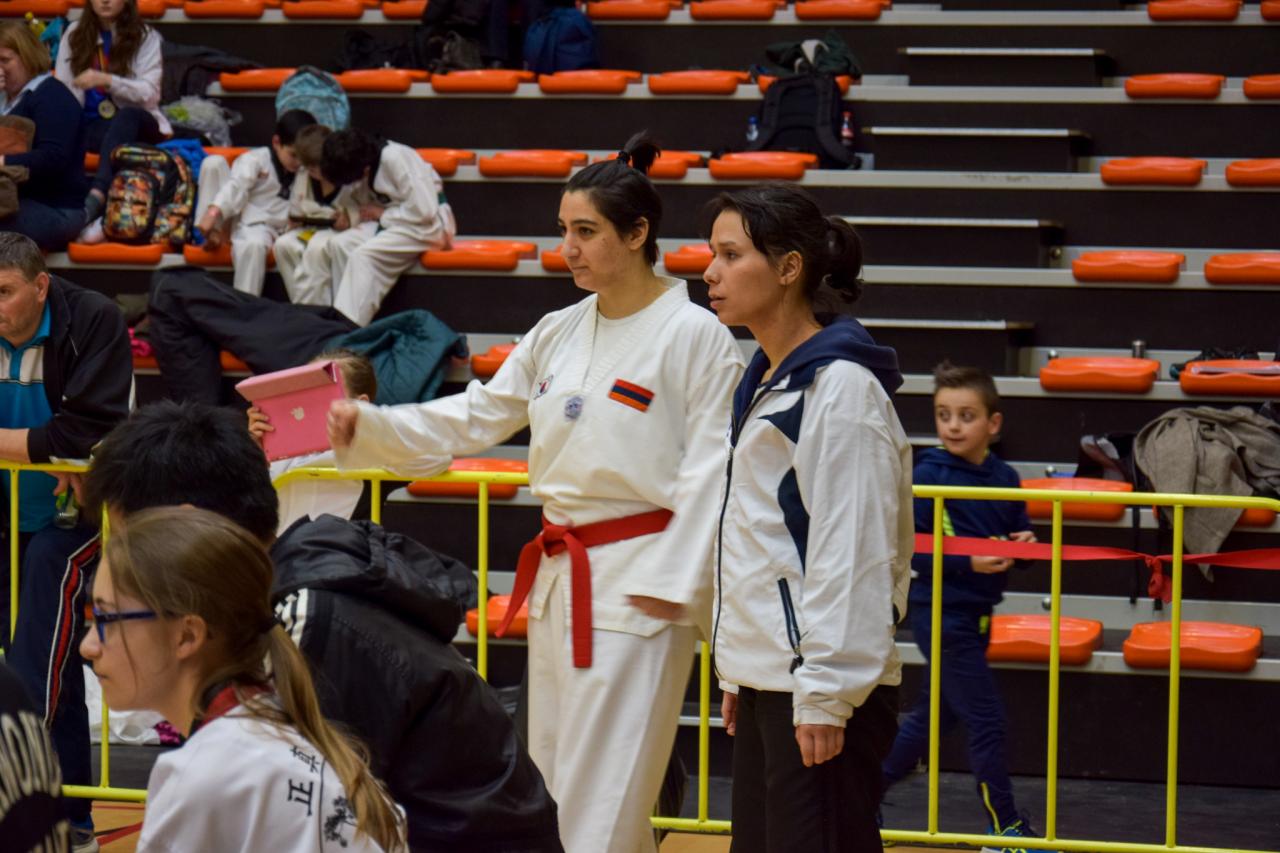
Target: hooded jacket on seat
<point>374,613</point>
<point>815,536</point>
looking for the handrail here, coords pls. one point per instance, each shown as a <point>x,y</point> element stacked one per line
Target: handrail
<point>938,494</point>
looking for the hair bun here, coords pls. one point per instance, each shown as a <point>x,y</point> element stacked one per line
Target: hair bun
<point>640,152</point>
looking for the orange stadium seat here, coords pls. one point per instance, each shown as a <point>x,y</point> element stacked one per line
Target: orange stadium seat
<point>1243,268</point>
<point>254,79</point>
<point>844,81</point>
<point>1087,373</point>
<point>1262,86</point>
<point>446,160</point>
<point>669,165</point>
<point>838,10</point>
<point>1262,172</point>
<point>762,165</point>
<point>1270,10</point>
<point>501,255</point>
<point>591,81</point>
<point>704,82</point>
<point>1171,171</point>
<point>223,8</point>
<point>1206,86</point>
<point>152,8</point>
<point>230,153</point>
<point>1128,265</point>
<point>496,611</point>
<point>147,254</point>
<point>1204,645</point>
<point>345,10</point>
<point>1193,10</point>
<point>404,10</point>
<point>428,489</point>
<point>486,364</point>
<point>629,10</point>
<point>221,257</point>
<point>38,8</point>
<point>553,260</point>
<point>1025,638</point>
<point>732,10</point>
<point>231,363</point>
<point>91,161</point>
<point>535,163</point>
<point>1231,377</point>
<point>1256,518</point>
<point>497,80</point>
<point>377,80</point>
<point>692,259</point>
<point>1080,511</point>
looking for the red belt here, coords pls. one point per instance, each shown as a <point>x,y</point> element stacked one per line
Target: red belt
<point>558,538</point>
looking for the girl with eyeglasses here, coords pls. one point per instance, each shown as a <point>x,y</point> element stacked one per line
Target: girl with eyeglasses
<point>183,625</point>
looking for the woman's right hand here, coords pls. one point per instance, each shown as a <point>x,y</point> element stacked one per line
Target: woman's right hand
<point>259,424</point>
<point>343,415</point>
<point>729,711</point>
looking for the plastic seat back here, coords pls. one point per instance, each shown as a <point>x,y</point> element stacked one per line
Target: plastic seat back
<point>1203,645</point>
<point>1078,511</point>
<point>1090,373</point>
<point>496,612</point>
<point>429,488</point>
<point>1025,638</point>
<point>692,259</point>
<point>1128,265</point>
<point>1231,377</point>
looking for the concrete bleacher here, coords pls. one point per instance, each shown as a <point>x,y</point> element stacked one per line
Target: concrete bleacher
<point>984,144</point>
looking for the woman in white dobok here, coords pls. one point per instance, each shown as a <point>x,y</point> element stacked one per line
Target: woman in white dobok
<point>626,395</point>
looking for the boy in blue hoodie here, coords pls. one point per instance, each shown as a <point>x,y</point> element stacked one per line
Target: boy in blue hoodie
<point>968,419</point>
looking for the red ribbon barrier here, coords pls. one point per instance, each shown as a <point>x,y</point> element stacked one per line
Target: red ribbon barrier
<point>1159,586</point>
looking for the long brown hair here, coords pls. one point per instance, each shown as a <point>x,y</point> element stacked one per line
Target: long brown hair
<point>129,31</point>
<point>183,560</point>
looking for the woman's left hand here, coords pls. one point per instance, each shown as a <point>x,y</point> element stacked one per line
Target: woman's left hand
<point>92,79</point>
<point>819,743</point>
<point>657,608</point>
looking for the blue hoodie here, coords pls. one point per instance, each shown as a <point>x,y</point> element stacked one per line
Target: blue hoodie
<point>841,337</point>
<point>961,586</point>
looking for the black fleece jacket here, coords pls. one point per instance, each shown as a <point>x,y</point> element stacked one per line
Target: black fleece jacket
<point>88,373</point>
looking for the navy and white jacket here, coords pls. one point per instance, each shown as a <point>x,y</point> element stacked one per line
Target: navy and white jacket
<point>815,539</point>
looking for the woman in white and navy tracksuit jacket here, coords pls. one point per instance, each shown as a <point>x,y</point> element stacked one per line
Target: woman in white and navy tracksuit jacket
<point>815,537</point>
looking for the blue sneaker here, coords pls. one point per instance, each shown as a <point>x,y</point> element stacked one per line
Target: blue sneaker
<point>1018,829</point>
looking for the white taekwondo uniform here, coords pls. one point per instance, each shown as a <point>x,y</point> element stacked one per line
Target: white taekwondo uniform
<point>416,218</point>
<point>240,783</point>
<point>251,197</point>
<point>302,254</point>
<point>626,417</point>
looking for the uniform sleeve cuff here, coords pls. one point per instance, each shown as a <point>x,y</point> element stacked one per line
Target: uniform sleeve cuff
<point>812,715</point>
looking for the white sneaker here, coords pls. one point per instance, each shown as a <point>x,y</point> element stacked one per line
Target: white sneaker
<point>83,841</point>
<point>92,234</point>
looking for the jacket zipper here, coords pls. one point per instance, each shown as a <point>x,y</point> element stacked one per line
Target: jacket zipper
<point>793,627</point>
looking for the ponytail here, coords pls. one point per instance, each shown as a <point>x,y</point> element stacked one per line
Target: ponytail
<point>620,189</point>
<point>782,218</point>
<point>376,815</point>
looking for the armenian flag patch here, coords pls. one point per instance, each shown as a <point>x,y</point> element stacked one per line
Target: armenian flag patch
<point>631,395</point>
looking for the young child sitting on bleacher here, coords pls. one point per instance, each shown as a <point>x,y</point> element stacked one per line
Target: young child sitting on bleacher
<point>318,211</point>
<point>313,498</point>
<point>410,209</point>
<point>248,202</point>
<point>968,419</point>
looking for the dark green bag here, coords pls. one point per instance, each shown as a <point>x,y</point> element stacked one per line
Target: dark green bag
<point>830,55</point>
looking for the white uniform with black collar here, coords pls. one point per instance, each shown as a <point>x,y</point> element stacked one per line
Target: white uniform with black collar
<point>250,196</point>
<point>415,218</point>
<point>242,784</point>
<point>601,736</point>
<point>302,254</point>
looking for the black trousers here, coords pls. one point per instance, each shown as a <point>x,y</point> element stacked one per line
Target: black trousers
<point>194,316</point>
<point>781,806</point>
<point>128,125</point>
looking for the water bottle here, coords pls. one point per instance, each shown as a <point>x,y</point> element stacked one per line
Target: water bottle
<point>753,129</point>
<point>67,510</point>
<point>846,130</point>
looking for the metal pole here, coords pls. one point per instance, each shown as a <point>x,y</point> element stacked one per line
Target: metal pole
<point>1055,650</point>
<point>935,670</point>
<point>704,732</point>
<point>1175,672</point>
<point>482,568</point>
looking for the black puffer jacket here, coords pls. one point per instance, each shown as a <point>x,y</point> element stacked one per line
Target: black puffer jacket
<point>374,612</point>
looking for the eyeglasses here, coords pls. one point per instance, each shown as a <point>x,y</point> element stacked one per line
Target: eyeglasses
<point>103,618</point>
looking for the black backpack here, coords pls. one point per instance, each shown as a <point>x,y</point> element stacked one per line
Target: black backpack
<point>803,113</point>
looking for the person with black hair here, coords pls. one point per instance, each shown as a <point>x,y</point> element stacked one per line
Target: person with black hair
<point>248,202</point>
<point>815,539</point>
<point>625,394</point>
<point>373,612</point>
<point>411,211</point>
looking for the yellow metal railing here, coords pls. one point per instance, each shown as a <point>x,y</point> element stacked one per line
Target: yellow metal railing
<point>939,494</point>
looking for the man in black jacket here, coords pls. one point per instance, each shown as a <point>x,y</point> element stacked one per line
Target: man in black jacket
<point>374,612</point>
<point>68,379</point>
